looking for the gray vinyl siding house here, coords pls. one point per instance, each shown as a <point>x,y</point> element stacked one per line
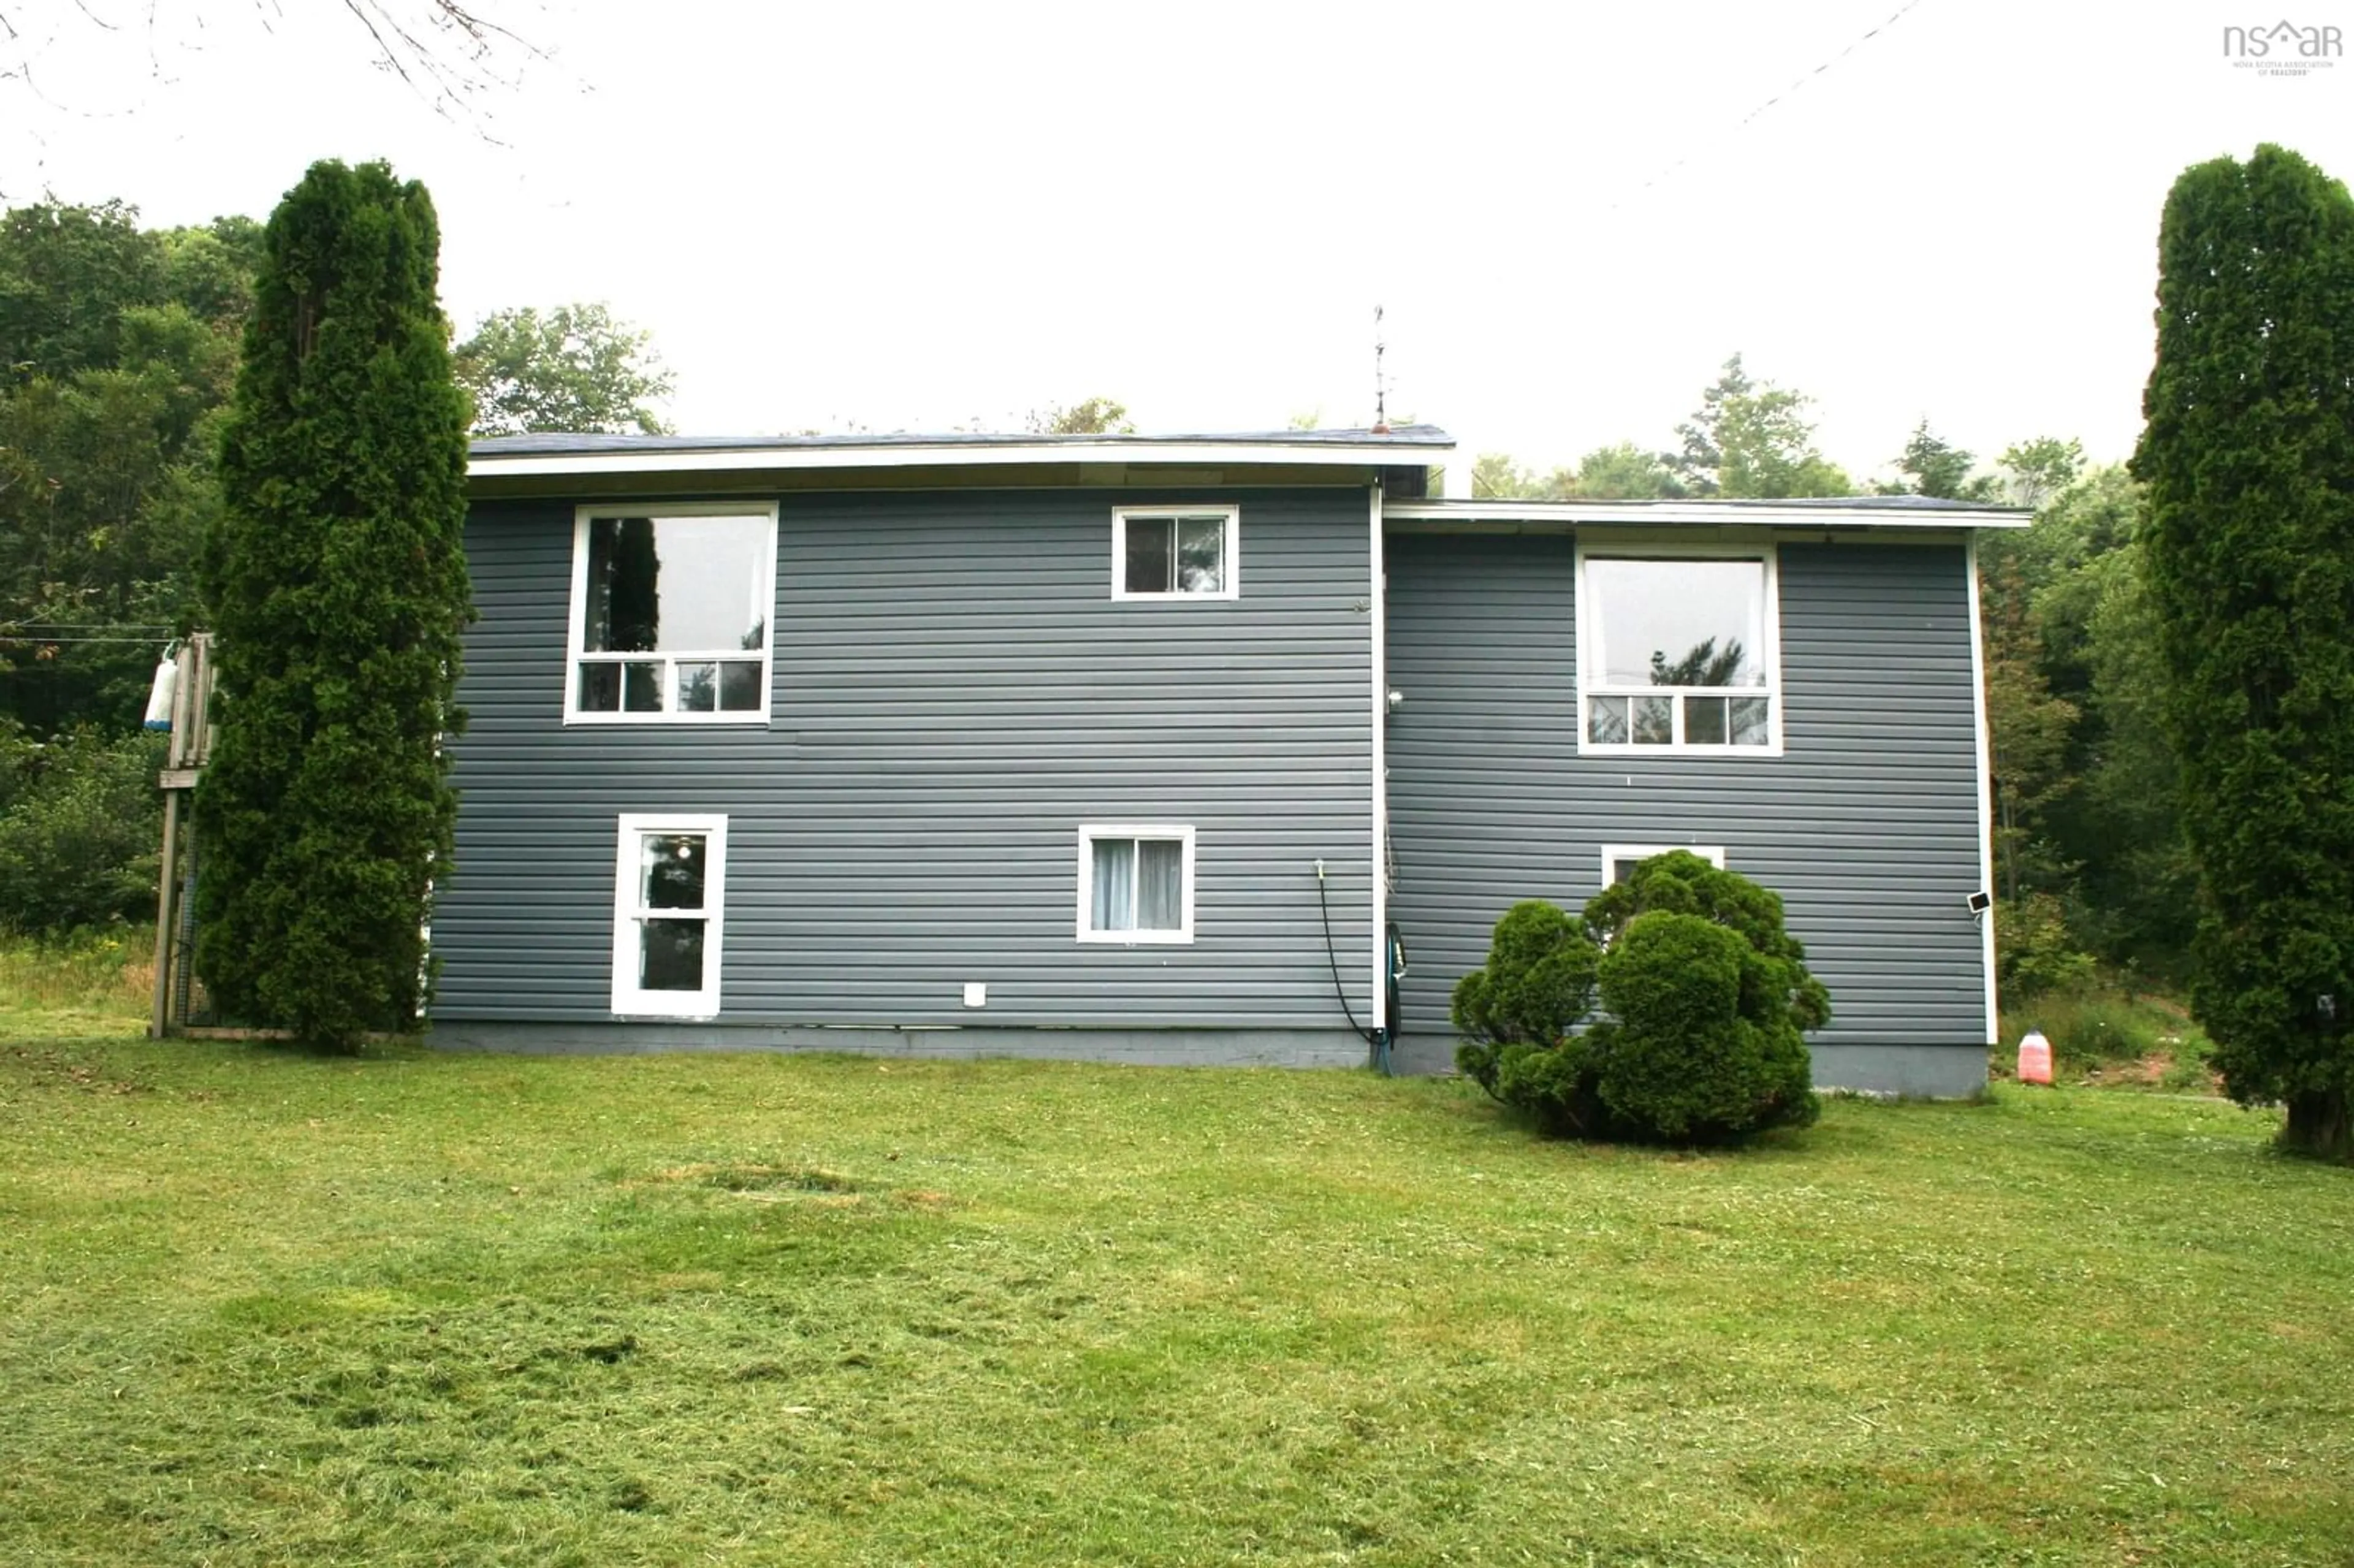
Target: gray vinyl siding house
<point>1081,746</point>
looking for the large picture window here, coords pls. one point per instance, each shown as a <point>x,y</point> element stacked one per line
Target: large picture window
<point>1136,882</point>
<point>1175,551</point>
<point>1678,653</point>
<point>670,614</point>
<point>670,898</point>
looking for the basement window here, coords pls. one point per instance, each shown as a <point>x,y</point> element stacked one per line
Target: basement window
<point>1175,551</point>
<point>1136,882</point>
<point>1618,860</point>
<point>669,900</point>
<point>1678,653</point>
<point>671,609</point>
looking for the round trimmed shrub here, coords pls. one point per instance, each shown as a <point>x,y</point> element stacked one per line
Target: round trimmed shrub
<point>1537,986</point>
<point>1706,999</point>
<point>1693,1051</point>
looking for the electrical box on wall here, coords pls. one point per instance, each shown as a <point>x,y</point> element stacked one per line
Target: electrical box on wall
<point>976,994</point>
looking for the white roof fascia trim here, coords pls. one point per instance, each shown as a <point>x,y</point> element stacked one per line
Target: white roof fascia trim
<point>1797,515</point>
<point>739,459</point>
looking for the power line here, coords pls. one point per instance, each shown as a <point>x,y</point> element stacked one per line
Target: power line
<point>1893,19</point>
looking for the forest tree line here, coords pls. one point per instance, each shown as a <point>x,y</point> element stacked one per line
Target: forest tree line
<point>119,351</point>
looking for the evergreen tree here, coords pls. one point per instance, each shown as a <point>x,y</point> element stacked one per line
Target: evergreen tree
<point>1752,441</point>
<point>2249,460</point>
<point>1932,465</point>
<point>338,590</point>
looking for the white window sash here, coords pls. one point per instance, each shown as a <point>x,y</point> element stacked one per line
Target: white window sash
<point>1676,695</point>
<point>763,597</point>
<point>631,912</point>
<point>1124,901</point>
<point>1230,575</point>
<point>1765,625</point>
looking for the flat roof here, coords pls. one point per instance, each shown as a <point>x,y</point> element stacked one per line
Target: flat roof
<point>526,456</point>
<point>1826,512</point>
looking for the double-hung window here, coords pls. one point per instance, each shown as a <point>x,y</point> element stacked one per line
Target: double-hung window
<point>668,902</point>
<point>670,607</point>
<point>1678,652</point>
<point>1136,882</point>
<point>1176,552</point>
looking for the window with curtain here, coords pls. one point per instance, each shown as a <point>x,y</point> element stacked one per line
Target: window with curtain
<point>1136,883</point>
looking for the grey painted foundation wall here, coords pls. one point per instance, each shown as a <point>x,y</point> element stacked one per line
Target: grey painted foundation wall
<point>1867,825</point>
<point>1129,1047</point>
<point>954,692</point>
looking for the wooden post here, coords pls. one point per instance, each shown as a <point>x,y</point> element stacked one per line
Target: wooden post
<point>191,748</point>
<point>167,883</point>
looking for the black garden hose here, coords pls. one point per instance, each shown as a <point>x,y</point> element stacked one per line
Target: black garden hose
<point>1377,1039</point>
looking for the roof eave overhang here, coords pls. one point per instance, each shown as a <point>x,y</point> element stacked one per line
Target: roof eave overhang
<point>1554,515</point>
<point>845,459</point>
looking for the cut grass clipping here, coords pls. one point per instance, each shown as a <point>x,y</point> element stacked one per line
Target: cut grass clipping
<point>264,1308</point>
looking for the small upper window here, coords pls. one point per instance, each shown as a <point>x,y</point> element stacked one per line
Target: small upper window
<point>1174,552</point>
<point>1678,653</point>
<point>1136,883</point>
<point>670,614</point>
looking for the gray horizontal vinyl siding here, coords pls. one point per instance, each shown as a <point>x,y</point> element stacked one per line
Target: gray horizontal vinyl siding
<point>1867,824</point>
<point>954,692</point>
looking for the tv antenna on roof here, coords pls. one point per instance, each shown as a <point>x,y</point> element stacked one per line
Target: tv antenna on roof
<point>1381,388</point>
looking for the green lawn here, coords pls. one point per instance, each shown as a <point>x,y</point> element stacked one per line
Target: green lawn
<point>262,1307</point>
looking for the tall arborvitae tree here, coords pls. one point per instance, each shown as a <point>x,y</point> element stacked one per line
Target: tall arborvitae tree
<point>337,587</point>
<point>2248,458</point>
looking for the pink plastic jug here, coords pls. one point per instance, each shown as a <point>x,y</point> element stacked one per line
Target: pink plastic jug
<point>2035,1058</point>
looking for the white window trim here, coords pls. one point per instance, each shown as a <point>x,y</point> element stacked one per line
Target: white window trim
<point>576,640</point>
<point>1770,658</point>
<point>1613,853</point>
<point>628,998</point>
<point>1088,833</point>
<point>1234,574</point>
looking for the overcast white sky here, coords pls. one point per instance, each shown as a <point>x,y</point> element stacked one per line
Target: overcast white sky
<point>919,216</point>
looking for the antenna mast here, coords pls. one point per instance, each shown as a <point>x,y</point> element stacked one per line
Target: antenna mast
<point>1381,387</point>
